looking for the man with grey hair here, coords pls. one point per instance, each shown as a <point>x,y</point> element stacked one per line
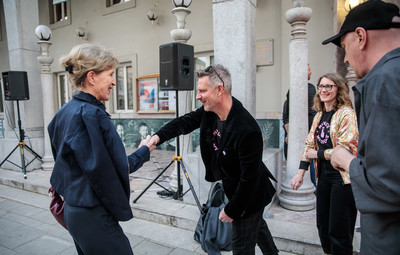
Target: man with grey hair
<point>370,36</point>
<point>231,147</point>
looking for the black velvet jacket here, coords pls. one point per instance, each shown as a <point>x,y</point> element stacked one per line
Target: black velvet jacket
<point>239,159</point>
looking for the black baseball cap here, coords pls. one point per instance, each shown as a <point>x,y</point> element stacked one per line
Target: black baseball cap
<point>373,14</point>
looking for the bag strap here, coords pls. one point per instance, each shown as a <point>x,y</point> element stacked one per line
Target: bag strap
<point>217,195</point>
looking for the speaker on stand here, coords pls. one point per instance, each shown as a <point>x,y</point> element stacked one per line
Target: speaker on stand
<point>16,88</point>
<point>176,73</point>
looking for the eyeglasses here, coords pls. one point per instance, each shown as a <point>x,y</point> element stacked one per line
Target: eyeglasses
<point>211,69</point>
<point>327,87</point>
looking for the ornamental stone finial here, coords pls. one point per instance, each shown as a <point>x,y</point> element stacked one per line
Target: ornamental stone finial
<point>298,3</point>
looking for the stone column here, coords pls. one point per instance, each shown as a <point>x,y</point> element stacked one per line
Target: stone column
<point>351,82</point>
<point>48,103</point>
<point>302,199</point>
<point>21,19</point>
<point>234,46</point>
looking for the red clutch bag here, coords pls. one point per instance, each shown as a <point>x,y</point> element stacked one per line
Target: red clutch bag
<point>57,207</point>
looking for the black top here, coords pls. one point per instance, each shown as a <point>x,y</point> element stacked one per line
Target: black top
<point>311,113</point>
<point>322,134</point>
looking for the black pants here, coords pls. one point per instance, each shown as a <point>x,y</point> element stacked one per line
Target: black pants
<point>336,214</point>
<point>249,231</point>
<point>95,231</point>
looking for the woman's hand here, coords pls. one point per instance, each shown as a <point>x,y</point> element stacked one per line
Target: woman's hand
<point>311,153</point>
<point>148,142</point>
<point>297,180</point>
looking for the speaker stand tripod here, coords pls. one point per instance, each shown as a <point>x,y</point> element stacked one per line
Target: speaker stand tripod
<point>178,194</point>
<point>21,145</point>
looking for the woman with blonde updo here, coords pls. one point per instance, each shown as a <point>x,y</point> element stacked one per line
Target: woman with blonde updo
<point>334,124</point>
<point>91,169</point>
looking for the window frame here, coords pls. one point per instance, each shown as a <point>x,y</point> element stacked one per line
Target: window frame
<point>65,22</point>
<point>114,90</point>
<point>107,9</point>
<point>68,87</point>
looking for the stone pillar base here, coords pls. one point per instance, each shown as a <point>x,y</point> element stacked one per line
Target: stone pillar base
<point>297,200</point>
<point>48,163</point>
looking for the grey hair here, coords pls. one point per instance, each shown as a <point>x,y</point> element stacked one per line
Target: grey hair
<point>214,80</point>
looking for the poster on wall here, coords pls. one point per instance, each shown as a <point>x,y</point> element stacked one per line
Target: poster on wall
<point>150,98</point>
<point>147,87</point>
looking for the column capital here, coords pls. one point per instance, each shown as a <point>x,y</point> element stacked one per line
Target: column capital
<point>298,17</point>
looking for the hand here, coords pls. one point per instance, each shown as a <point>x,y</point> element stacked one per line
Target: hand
<point>341,158</point>
<point>311,153</point>
<point>147,142</point>
<point>297,180</point>
<point>155,139</point>
<point>223,217</point>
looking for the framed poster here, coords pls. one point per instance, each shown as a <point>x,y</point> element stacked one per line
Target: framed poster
<point>150,98</point>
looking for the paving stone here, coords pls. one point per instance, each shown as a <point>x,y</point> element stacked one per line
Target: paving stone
<point>183,252</point>
<point>5,251</point>
<point>134,240</point>
<point>21,219</point>
<point>55,229</point>
<point>18,236</point>
<point>9,205</point>
<point>69,251</point>
<point>27,210</point>
<point>44,245</point>
<point>150,248</point>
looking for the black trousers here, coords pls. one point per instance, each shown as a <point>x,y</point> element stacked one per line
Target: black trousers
<point>336,214</point>
<point>249,231</point>
<point>95,231</point>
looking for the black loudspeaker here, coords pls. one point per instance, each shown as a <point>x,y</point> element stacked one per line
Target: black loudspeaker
<point>15,85</point>
<point>176,66</point>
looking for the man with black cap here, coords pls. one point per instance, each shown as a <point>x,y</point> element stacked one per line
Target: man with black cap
<point>370,36</point>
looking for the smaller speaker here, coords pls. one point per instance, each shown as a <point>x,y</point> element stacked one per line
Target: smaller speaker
<point>15,85</point>
<point>176,66</point>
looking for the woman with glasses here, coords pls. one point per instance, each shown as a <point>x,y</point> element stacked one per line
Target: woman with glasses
<point>334,124</point>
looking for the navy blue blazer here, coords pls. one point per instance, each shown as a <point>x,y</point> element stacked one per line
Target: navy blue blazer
<point>238,162</point>
<point>91,167</point>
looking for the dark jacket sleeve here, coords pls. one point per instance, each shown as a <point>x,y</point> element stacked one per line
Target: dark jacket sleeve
<point>285,113</point>
<point>180,126</point>
<point>137,158</point>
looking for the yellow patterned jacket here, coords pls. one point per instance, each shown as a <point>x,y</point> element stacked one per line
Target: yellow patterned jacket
<point>343,131</point>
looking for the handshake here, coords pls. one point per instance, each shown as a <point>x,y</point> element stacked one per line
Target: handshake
<point>150,142</point>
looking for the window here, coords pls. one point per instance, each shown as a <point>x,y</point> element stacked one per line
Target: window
<point>114,2</point>
<point>112,6</point>
<point>201,62</point>
<point>60,13</point>
<point>64,89</point>
<point>123,91</point>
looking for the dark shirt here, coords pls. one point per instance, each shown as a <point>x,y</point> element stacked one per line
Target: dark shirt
<point>91,167</point>
<point>311,112</point>
<point>325,142</point>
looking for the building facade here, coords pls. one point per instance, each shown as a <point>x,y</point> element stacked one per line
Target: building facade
<point>250,37</point>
